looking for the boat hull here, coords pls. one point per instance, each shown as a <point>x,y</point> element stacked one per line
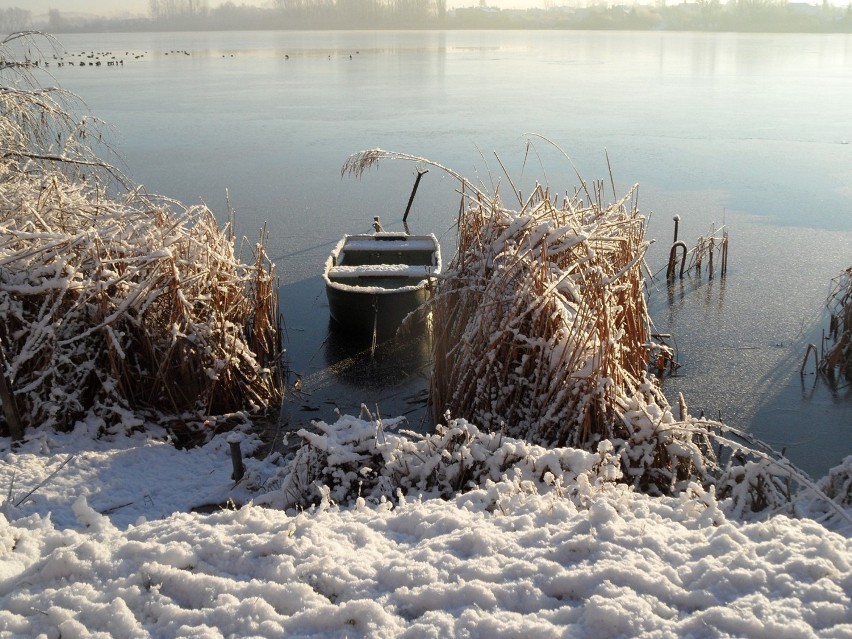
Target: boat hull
<point>374,283</point>
<point>363,312</point>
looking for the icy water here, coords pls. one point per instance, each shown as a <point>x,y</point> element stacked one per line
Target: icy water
<point>749,130</point>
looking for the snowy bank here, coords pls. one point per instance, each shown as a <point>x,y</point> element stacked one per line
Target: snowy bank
<point>516,557</point>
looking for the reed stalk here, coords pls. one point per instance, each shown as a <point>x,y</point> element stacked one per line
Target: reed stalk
<point>838,358</point>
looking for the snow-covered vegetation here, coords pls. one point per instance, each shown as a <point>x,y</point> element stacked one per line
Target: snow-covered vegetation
<point>838,359</point>
<point>542,334</point>
<point>113,300</point>
<point>354,461</point>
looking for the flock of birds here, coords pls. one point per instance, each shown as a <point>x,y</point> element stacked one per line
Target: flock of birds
<point>91,59</point>
<point>99,58</point>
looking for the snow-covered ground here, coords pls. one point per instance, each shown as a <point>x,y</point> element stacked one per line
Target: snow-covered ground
<point>108,546</point>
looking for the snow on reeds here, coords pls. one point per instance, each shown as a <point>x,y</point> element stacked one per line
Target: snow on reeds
<point>542,333</point>
<point>116,302</point>
<point>542,327</point>
<point>838,358</point>
<point>541,345</point>
<point>366,460</point>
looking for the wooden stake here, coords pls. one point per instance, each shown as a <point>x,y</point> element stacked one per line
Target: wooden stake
<point>10,408</point>
<point>712,248</point>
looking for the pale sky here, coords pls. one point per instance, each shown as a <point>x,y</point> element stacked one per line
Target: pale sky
<point>100,7</point>
<point>111,7</point>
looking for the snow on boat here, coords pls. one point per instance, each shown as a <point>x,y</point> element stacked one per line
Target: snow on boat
<point>374,282</point>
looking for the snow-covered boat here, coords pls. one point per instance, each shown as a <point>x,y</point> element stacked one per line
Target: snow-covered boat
<point>374,282</point>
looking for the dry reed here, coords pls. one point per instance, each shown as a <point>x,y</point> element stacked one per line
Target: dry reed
<point>541,318</point>
<point>838,358</point>
<point>115,302</point>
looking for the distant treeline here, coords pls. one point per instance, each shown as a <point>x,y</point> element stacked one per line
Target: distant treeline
<point>703,15</point>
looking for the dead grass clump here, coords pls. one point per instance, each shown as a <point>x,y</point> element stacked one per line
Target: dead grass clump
<point>109,302</point>
<point>126,302</point>
<point>543,333</point>
<point>838,358</point>
<point>542,322</point>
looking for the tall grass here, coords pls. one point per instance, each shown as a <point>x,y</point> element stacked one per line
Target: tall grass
<point>113,299</point>
<point>541,321</point>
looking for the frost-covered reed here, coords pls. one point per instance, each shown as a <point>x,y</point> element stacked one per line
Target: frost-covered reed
<point>542,327</point>
<point>542,332</point>
<point>838,358</point>
<point>115,302</point>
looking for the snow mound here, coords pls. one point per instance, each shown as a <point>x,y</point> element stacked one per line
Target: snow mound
<point>541,543</point>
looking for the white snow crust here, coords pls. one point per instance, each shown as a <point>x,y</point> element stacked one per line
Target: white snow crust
<point>108,547</point>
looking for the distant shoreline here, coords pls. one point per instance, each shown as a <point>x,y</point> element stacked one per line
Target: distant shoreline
<point>708,16</point>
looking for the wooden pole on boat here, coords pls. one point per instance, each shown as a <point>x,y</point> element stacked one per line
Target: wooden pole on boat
<point>420,173</point>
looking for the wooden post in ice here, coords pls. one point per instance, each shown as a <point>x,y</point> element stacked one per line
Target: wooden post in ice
<point>10,408</point>
<point>673,252</point>
<point>673,260</point>
<point>712,248</point>
<point>234,440</point>
<point>810,348</point>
